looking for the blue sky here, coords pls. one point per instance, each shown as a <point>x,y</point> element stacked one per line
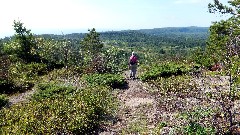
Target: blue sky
<point>67,16</point>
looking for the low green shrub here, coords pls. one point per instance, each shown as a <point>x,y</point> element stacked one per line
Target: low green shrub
<point>197,129</point>
<point>51,90</point>
<point>164,70</point>
<point>178,84</point>
<point>8,87</point>
<point>3,100</point>
<point>198,121</point>
<point>157,130</point>
<point>112,80</point>
<point>79,112</point>
<point>24,75</point>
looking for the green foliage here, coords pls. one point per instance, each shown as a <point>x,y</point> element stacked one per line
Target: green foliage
<point>115,59</point>
<point>136,127</point>
<point>1,47</point>
<point>4,67</point>
<point>159,37</point>
<point>158,128</point>
<point>199,56</point>
<point>50,50</point>
<point>79,112</point>
<point>91,47</point>
<point>51,90</point>
<point>112,80</point>
<point>59,53</point>
<point>11,47</point>
<point>196,125</point>
<point>197,129</point>
<point>24,75</point>
<point>223,34</point>
<point>216,44</point>
<point>223,46</point>
<point>91,44</point>
<point>25,42</point>
<point>180,85</point>
<point>3,100</point>
<point>164,70</point>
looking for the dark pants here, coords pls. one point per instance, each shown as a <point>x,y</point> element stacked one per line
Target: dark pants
<point>133,70</point>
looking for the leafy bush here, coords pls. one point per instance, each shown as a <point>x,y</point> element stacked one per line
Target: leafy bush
<point>199,56</point>
<point>199,121</point>
<point>179,85</point>
<point>112,80</point>
<point>79,112</point>
<point>115,59</point>
<point>7,87</point>
<point>3,100</point>
<point>197,129</point>
<point>164,70</point>
<point>24,75</point>
<point>51,91</point>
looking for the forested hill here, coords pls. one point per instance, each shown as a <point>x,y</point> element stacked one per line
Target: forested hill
<point>172,36</point>
<point>177,30</point>
<point>159,38</point>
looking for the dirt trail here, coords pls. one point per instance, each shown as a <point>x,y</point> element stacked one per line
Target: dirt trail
<point>137,109</point>
<point>21,97</point>
<point>137,106</point>
<point>141,109</point>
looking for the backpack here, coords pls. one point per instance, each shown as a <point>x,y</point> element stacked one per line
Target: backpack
<point>133,60</point>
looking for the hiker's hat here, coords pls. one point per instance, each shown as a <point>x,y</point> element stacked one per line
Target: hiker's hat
<point>133,53</point>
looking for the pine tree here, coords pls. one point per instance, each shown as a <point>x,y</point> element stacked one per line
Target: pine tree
<point>26,40</point>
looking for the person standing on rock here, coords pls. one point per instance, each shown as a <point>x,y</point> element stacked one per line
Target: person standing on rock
<point>133,60</point>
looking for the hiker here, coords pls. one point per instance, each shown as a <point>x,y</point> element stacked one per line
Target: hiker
<point>133,65</point>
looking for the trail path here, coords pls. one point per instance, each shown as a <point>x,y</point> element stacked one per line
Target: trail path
<point>140,108</point>
<point>21,97</point>
<point>137,109</point>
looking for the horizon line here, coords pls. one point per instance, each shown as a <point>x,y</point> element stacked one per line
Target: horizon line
<point>100,30</point>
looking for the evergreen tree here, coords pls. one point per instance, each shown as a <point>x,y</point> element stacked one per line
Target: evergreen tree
<point>223,46</point>
<point>26,41</point>
<point>91,47</point>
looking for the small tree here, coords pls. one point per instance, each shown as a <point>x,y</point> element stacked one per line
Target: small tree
<point>223,45</point>
<point>91,49</point>
<point>26,40</point>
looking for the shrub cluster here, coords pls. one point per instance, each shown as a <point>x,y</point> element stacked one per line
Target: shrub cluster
<point>3,100</point>
<point>164,70</point>
<point>52,91</point>
<point>67,111</point>
<point>24,75</point>
<point>112,80</point>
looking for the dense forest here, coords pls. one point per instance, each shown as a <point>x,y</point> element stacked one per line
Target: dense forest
<point>163,42</point>
<point>187,80</point>
<point>159,38</point>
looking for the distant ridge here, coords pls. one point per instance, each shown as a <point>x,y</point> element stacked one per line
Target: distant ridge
<point>178,30</point>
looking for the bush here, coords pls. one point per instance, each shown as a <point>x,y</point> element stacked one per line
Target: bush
<point>7,87</point>
<point>179,85</point>
<point>51,91</point>
<point>112,80</point>
<point>164,70</point>
<point>197,129</point>
<point>115,59</point>
<point>24,75</point>
<point>3,100</point>
<point>199,121</point>
<point>79,112</point>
